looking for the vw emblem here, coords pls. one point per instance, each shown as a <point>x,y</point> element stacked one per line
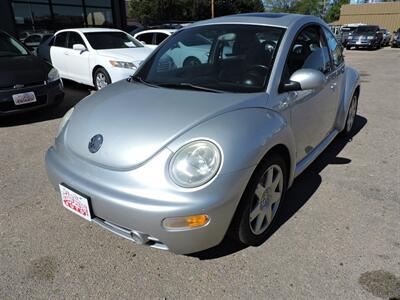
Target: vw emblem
<point>95,143</point>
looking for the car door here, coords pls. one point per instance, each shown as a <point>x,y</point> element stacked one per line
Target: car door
<point>336,76</point>
<point>78,60</point>
<point>57,53</point>
<point>308,108</point>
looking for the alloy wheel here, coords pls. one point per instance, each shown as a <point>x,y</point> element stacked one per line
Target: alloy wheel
<point>101,80</point>
<point>266,199</point>
<point>352,114</point>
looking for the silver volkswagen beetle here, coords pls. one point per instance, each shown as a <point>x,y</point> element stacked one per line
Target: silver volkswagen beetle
<point>180,155</point>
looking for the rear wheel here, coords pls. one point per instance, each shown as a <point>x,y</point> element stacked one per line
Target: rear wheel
<point>101,78</point>
<point>348,47</point>
<point>261,202</point>
<point>351,116</point>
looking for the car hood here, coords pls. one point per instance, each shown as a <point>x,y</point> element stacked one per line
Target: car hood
<point>24,70</point>
<point>136,121</point>
<point>127,54</point>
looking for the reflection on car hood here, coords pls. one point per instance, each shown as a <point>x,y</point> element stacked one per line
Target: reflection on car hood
<point>136,121</point>
<point>22,70</point>
<point>127,54</point>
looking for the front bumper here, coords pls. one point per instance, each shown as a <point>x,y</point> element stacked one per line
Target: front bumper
<point>118,74</point>
<point>361,43</point>
<point>123,203</point>
<point>46,94</point>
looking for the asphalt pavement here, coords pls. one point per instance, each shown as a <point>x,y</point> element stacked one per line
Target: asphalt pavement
<point>339,237</point>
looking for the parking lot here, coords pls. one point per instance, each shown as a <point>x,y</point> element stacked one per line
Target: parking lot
<point>339,237</point>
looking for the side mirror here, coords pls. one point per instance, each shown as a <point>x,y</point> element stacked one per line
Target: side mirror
<point>79,47</point>
<point>143,42</point>
<point>303,79</point>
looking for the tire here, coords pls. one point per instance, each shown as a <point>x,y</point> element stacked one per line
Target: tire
<point>101,78</point>
<point>191,61</point>
<point>351,116</point>
<point>348,47</point>
<point>242,228</point>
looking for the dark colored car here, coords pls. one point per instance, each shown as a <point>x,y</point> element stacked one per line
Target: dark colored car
<point>26,81</point>
<point>396,39</point>
<point>346,32</point>
<point>368,36</point>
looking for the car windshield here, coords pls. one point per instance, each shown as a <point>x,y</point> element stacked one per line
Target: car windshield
<point>348,29</point>
<point>10,46</point>
<point>219,58</point>
<point>366,30</point>
<point>111,40</point>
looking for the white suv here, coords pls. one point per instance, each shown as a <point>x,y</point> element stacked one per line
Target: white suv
<point>96,56</point>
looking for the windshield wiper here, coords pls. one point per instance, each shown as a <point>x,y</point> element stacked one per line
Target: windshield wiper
<point>190,86</point>
<point>141,80</point>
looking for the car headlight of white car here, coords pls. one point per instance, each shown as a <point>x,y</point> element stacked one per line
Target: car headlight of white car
<point>64,120</point>
<point>53,75</point>
<point>122,64</point>
<point>370,37</point>
<point>195,164</point>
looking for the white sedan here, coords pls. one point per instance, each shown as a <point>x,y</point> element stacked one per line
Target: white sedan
<point>96,56</point>
<point>192,51</point>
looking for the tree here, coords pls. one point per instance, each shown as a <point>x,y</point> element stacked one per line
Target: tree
<point>161,11</point>
<point>333,12</point>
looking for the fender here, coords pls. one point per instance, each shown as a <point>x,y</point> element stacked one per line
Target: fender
<point>351,82</point>
<point>260,129</point>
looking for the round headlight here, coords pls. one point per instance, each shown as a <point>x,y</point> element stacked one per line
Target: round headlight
<point>195,164</point>
<point>64,120</point>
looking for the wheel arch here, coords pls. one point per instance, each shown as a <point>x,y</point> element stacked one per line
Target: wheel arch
<point>95,68</point>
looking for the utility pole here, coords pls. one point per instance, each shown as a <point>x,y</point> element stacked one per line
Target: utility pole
<point>212,8</point>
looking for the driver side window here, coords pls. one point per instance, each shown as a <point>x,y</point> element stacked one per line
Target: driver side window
<point>309,51</point>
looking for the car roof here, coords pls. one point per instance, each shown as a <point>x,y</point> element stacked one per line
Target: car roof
<point>168,31</point>
<point>90,29</point>
<point>272,19</point>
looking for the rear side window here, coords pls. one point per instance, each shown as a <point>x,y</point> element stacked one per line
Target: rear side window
<point>75,38</point>
<point>61,40</point>
<point>334,48</point>
<point>160,37</point>
<point>147,38</point>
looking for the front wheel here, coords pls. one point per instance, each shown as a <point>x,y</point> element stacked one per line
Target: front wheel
<point>101,78</point>
<point>351,116</point>
<point>261,202</point>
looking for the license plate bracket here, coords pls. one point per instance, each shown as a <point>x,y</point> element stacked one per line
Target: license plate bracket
<point>76,202</point>
<point>24,98</point>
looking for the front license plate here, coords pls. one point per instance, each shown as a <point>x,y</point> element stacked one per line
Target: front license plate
<point>75,202</point>
<point>358,43</point>
<point>24,98</point>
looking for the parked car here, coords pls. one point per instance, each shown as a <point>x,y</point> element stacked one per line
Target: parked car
<point>396,38</point>
<point>33,41</point>
<point>346,32</point>
<point>386,37</point>
<point>176,158</point>
<point>368,36</point>
<point>26,81</point>
<point>96,56</point>
<point>153,37</point>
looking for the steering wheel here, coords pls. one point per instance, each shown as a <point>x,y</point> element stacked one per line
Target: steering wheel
<point>269,45</point>
<point>255,75</point>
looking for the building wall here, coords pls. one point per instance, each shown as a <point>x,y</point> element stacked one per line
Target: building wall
<point>386,15</point>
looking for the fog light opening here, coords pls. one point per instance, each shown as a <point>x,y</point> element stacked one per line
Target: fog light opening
<point>188,222</point>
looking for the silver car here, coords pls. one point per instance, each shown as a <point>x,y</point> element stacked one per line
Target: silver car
<point>177,157</point>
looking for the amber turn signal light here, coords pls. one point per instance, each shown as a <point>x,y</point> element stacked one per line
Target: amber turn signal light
<point>189,222</point>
